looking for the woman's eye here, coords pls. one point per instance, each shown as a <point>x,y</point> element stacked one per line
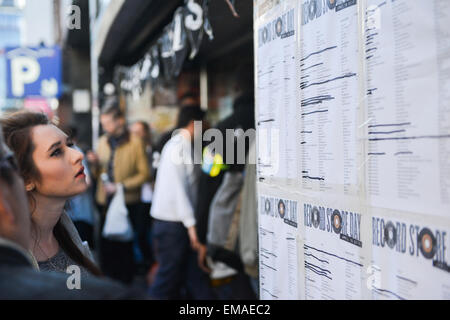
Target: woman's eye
<point>56,153</point>
<point>70,144</point>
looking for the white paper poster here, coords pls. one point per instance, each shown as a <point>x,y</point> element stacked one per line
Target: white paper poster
<point>276,92</point>
<point>278,266</point>
<point>410,259</point>
<point>334,264</point>
<point>353,104</point>
<point>408,105</point>
<point>328,105</point>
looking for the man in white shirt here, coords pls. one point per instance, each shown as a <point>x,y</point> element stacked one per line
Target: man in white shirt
<point>174,233</point>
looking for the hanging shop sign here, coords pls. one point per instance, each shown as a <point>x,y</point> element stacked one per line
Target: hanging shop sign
<point>154,73</point>
<point>167,54</point>
<point>179,46</point>
<point>182,37</point>
<point>197,23</point>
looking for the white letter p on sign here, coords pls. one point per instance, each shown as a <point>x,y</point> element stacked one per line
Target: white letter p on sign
<point>24,70</point>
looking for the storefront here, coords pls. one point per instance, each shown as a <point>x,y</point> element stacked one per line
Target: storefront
<point>151,57</point>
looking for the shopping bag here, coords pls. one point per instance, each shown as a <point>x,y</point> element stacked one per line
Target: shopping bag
<point>117,223</point>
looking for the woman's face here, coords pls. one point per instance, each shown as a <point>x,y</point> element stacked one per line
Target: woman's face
<point>138,130</point>
<point>59,164</point>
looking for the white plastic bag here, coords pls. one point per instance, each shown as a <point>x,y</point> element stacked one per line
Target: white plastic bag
<point>146,193</point>
<point>117,223</point>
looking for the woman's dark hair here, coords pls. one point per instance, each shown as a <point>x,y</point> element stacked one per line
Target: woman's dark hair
<point>147,132</point>
<point>17,129</point>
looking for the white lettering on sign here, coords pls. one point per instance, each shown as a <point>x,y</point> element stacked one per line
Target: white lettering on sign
<point>24,70</point>
<point>178,44</point>
<point>189,21</point>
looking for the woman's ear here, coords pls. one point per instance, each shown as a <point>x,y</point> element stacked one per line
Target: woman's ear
<point>30,186</point>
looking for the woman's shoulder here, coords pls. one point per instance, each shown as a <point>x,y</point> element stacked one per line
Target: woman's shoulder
<point>74,235</point>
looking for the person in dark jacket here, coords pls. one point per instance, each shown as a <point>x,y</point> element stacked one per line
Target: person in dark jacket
<point>213,182</point>
<point>243,117</point>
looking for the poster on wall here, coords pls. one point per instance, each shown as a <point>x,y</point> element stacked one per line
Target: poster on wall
<point>364,130</point>
<point>276,81</point>
<point>328,103</point>
<point>278,264</point>
<point>409,258</point>
<point>408,105</point>
<point>333,254</point>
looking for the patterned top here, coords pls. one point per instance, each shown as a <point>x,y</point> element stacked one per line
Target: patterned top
<point>60,262</point>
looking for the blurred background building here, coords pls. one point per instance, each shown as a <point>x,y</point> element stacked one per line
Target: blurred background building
<point>103,42</point>
<point>26,24</point>
<point>12,34</point>
<point>123,32</point>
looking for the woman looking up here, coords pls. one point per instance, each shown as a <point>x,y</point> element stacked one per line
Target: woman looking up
<point>52,171</point>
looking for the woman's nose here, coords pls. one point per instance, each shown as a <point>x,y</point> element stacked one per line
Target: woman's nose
<point>77,156</point>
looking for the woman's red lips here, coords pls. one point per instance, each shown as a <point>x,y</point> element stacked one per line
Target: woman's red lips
<point>80,172</point>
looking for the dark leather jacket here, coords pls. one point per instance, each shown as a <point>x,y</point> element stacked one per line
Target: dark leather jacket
<point>18,280</point>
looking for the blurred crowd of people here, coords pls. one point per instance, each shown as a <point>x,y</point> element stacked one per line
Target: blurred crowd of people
<point>194,224</point>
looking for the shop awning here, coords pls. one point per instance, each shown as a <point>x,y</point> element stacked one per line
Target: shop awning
<point>133,24</point>
<point>137,24</point>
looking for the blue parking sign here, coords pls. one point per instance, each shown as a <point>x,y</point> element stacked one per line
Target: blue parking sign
<point>33,72</point>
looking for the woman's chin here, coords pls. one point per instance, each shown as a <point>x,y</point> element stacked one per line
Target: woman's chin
<point>79,189</point>
<point>65,192</point>
<point>84,187</point>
